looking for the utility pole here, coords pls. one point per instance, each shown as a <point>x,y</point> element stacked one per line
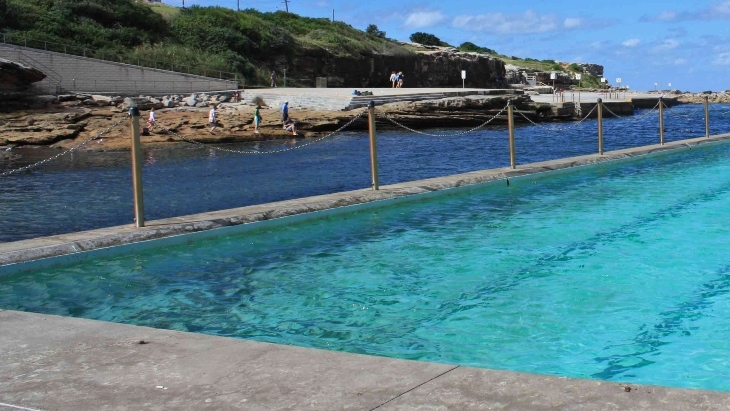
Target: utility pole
<point>333,15</point>
<point>286,2</point>
<point>239,5</point>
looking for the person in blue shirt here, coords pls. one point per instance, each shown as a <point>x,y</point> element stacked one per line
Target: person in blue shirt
<point>285,111</point>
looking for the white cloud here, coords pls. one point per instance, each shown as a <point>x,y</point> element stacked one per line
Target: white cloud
<point>631,42</point>
<point>572,23</point>
<point>667,16</point>
<point>527,23</point>
<point>717,11</point>
<point>722,8</point>
<point>680,62</point>
<point>423,19</point>
<point>666,45</point>
<point>722,59</point>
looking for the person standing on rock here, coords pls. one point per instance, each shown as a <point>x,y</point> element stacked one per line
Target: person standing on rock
<point>285,111</point>
<point>273,78</point>
<point>213,118</point>
<point>393,78</point>
<point>256,119</point>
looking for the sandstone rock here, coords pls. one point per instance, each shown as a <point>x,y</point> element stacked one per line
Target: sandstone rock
<point>102,100</point>
<point>140,103</point>
<point>16,76</point>
<point>190,101</point>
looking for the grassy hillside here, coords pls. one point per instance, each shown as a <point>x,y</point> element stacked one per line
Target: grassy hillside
<point>245,42</point>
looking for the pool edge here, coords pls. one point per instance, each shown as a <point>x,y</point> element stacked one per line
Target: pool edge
<point>44,252</point>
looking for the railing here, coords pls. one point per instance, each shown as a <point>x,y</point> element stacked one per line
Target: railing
<point>142,86</point>
<point>25,41</point>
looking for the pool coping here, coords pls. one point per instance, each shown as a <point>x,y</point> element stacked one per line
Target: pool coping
<point>76,246</point>
<point>62,363</point>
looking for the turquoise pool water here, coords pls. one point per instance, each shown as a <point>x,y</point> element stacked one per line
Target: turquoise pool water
<point>616,272</point>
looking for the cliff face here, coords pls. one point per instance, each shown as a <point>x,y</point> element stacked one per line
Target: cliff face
<point>432,68</point>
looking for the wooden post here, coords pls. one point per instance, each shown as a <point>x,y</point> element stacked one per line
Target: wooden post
<point>661,121</point>
<point>511,127</point>
<point>707,116</point>
<point>137,169</point>
<point>600,126</point>
<point>373,145</point>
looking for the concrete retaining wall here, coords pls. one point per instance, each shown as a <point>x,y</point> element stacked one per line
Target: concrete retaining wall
<point>69,73</point>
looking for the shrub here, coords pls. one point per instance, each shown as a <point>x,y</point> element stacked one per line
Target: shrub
<point>425,38</point>
<point>374,31</point>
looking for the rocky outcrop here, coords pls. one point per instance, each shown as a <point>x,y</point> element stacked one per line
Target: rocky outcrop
<point>426,67</point>
<point>694,98</point>
<point>17,77</point>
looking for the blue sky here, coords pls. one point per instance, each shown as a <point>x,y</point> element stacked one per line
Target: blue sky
<point>685,43</point>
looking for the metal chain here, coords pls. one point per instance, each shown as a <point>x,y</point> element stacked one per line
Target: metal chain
<point>641,117</point>
<point>687,115</point>
<point>385,116</point>
<point>712,106</point>
<point>228,150</point>
<point>7,173</point>
<point>558,128</point>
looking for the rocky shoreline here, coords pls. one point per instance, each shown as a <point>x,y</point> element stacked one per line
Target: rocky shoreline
<point>66,121</point>
<point>72,119</point>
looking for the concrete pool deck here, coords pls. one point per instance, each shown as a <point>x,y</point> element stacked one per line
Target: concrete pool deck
<point>61,363</point>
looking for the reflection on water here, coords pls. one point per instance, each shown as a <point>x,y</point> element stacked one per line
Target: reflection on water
<point>87,190</point>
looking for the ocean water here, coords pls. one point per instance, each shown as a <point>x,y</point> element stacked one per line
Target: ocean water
<point>87,190</point>
<point>617,272</point>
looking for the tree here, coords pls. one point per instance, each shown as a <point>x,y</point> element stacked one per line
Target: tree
<point>426,39</point>
<point>374,31</point>
<point>471,47</point>
<point>3,12</point>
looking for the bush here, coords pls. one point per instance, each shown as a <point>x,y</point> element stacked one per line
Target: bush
<point>374,31</point>
<point>425,39</point>
<point>471,47</point>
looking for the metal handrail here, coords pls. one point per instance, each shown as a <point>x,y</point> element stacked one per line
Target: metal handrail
<point>25,41</point>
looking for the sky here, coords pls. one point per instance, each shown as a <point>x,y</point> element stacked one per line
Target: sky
<point>648,44</point>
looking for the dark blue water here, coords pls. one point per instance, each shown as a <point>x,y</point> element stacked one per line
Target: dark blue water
<point>87,190</point>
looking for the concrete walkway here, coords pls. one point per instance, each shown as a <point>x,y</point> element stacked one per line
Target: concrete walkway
<point>57,363</point>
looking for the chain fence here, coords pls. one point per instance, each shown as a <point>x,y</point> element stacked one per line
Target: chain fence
<point>392,120</point>
<point>639,118</point>
<point>59,155</point>
<point>712,107</point>
<point>552,128</point>
<point>700,108</point>
<point>228,150</point>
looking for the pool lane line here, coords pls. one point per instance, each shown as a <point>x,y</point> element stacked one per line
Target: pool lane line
<point>17,407</point>
<point>650,338</point>
<point>417,386</point>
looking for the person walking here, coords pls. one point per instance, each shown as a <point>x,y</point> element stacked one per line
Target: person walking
<point>400,79</point>
<point>285,111</point>
<point>213,118</point>
<point>256,119</point>
<point>393,78</point>
<point>273,78</point>
<point>152,120</point>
